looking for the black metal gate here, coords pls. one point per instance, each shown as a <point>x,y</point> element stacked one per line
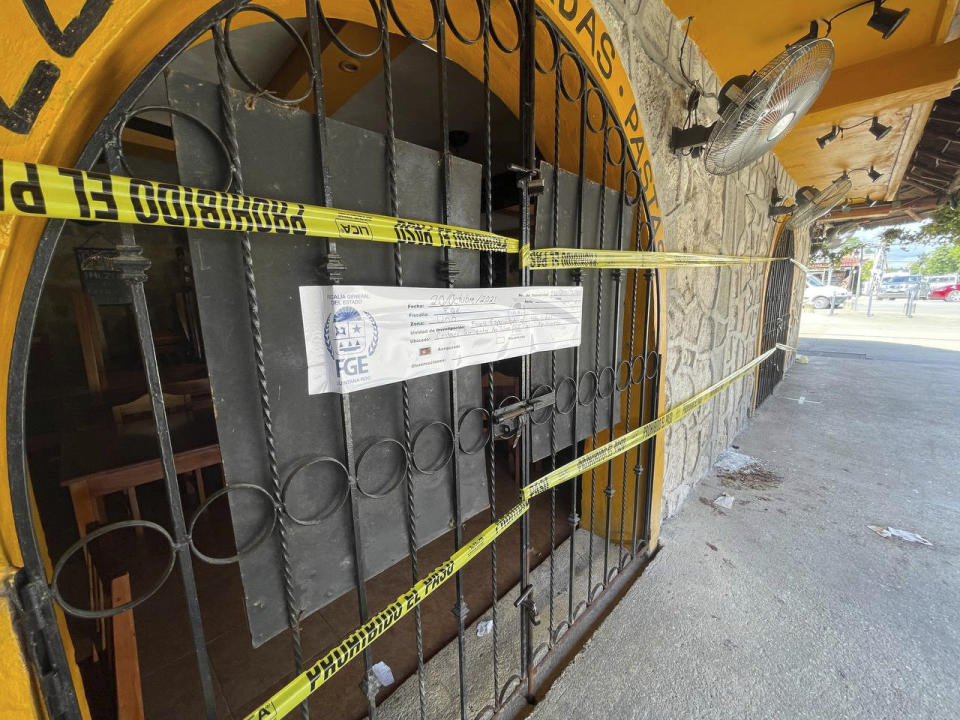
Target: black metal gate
<point>776,316</point>
<point>440,451</point>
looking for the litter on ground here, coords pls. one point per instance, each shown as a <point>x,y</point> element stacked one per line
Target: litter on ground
<point>905,535</point>
<point>724,501</point>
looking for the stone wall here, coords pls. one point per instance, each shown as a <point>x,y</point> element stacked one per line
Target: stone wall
<point>712,313</point>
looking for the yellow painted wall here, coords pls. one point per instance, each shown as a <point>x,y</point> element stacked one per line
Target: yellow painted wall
<point>90,76</point>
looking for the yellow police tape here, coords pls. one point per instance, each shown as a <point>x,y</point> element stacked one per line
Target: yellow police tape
<point>304,684</point>
<point>559,258</point>
<point>32,189</point>
<point>627,442</point>
<point>800,266</point>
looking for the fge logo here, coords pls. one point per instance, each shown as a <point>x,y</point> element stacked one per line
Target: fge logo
<point>351,336</point>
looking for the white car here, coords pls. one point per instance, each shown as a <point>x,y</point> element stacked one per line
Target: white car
<point>819,294</point>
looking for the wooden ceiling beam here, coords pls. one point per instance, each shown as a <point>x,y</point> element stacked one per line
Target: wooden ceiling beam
<point>882,210</point>
<point>924,74</point>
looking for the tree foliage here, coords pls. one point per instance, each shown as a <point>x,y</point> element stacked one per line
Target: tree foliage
<point>944,226</point>
<point>944,259</point>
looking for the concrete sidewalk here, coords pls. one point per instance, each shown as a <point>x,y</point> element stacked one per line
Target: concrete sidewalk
<point>787,605</point>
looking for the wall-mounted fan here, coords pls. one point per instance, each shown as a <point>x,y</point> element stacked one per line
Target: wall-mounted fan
<point>812,204</point>
<point>757,110</point>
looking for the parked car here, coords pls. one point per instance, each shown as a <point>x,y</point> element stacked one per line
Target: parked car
<point>950,293</point>
<point>819,294</point>
<point>938,281</point>
<point>900,286</point>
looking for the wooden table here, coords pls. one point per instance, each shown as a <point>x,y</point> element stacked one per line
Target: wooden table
<point>108,459</point>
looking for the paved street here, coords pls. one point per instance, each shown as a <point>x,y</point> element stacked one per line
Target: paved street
<point>787,605</point>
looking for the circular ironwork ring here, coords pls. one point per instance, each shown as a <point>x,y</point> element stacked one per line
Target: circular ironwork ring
<point>484,19</point>
<point>266,532</point>
<point>443,459</point>
<point>560,631</point>
<point>623,148</point>
<point>656,365</point>
<point>634,378</point>
<point>634,199</point>
<point>540,652</point>
<point>406,31</point>
<point>594,90</point>
<point>180,114</point>
<point>592,395</point>
<point>297,469</point>
<point>580,74</point>
<point>512,683</point>
<point>624,365</point>
<point>611,383</point>
<point>518,15</point>
<point>83,542</point>
<point>358,54</point>
<point>548,412</point>
<point>400,476</point>
<point>484,436</point>
<point>554,43</point>
<point>573,396</point>
<point>288,28</point>
<point>649,226</point>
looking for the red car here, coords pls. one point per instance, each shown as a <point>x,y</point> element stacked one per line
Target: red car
<point>950,293</point>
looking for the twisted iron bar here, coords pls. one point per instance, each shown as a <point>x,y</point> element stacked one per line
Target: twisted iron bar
<point>491,449</point>
<point>290,590</point>
<point>413,545</point>
<point>596,364</point>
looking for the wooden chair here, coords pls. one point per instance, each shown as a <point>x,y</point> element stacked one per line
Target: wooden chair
<point>140,407</point>
<point>118,634</point>
<point>93,342</point>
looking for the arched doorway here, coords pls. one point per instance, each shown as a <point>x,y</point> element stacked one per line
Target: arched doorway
<point>550,105</point>
<point>775,321</point>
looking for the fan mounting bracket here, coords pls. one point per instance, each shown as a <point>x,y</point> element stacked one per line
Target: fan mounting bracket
<point>694,138</point>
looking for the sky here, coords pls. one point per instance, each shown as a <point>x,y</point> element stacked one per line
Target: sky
<point>898,257</point>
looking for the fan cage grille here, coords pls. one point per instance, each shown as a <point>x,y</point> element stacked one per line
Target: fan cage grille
<point>749,128</point>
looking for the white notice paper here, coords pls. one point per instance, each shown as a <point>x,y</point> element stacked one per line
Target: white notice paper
<point>360,336</point>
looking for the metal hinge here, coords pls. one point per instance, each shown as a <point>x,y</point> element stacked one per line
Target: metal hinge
<point>43,647</point>
<point>508,420</point>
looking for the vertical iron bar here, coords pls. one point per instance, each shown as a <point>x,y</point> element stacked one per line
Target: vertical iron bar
<point>319,109</point>
<point>134,276</point>
<point>449,270</point>
<point>614,356</point>
<point>491,448</point>
<point>554,241</point>
<point>637,458</point>
<point>596,366</point>
<point>654,399</point>
<point>527,89</point>
<point>627,428</point>
<point>651,461</point>
<point>410,508</point>
<point>291,593</point>
<point>577,275</point>
<point>333,269</point>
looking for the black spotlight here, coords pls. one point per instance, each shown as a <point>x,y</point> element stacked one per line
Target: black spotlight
<point>825,140</point>
<point>879,130</point>
<point>873,174</point>
<point>886,21</point>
